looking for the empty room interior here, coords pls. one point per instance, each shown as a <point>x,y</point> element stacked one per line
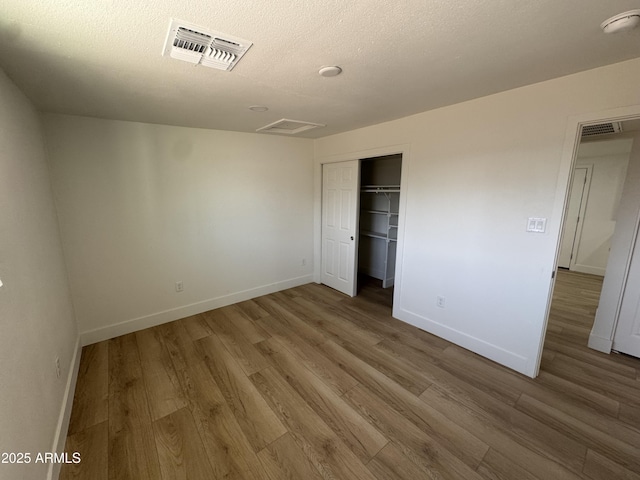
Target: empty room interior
<point>320,240</point>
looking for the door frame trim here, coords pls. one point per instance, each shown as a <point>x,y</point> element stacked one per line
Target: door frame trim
<point>575,248</point>
<point>401,149</point>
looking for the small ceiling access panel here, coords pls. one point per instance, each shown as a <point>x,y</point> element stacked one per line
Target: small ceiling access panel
<point>202,46</point>
<point>289,127</point>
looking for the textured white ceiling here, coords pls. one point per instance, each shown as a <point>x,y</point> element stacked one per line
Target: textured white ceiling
<point>103,58</point>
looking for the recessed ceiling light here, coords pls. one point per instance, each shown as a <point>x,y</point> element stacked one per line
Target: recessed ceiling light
<point>330,71</point>
<point>621,22</point>
<point>258,108</point>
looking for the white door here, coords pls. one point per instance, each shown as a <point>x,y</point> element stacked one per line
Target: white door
<point>573,220</point>
<point>340,195</point>
<point>627,335</point>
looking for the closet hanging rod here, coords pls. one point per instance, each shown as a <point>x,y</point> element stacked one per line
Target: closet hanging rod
<point>380,188</point>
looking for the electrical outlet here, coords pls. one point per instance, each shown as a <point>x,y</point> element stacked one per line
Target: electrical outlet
<point>179,286</point>
<point>58,367</point>
<point>440,301</point>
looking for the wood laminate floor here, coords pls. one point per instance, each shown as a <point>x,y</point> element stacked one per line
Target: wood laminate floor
<point>310,384</point>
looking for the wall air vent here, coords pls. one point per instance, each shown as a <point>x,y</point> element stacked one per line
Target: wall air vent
<point>288,127</point>
<point>601,129</point>
<point>201,46</point>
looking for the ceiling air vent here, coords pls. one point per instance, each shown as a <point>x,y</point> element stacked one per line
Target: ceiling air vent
<point>200,46</point>
<point>288,127</point>
<point>601,129</point>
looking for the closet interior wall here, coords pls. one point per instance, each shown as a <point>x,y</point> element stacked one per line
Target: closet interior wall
<point>379,205</point>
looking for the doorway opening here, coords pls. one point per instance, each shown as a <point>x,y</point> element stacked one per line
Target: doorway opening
<point>360,225</point>
<point>378,223</point>
<point>591,214</point>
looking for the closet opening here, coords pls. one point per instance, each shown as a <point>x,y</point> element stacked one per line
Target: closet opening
<point>378,226</point>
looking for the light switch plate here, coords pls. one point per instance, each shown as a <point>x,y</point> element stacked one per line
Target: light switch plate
<point>536,225</point>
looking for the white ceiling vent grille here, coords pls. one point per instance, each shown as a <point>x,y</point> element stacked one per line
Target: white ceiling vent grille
<point>200,46</point>
<point>601,129</point>
<point>289,127</point>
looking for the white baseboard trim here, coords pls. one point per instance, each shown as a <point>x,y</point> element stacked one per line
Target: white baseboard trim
<point>600,344</point>
<point>476,345</point>
<point>589,269</point>
<point>62,428</point>
<point>140,323</point>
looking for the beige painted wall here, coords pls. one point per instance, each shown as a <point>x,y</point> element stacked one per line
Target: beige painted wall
<point>143,206</point>
<point>36,316</point>
<point>474,172</point>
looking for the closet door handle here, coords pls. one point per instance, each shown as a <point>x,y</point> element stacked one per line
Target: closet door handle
<point>351,237</point>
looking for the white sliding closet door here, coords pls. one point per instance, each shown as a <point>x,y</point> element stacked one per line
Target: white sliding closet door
<point>340,195</point>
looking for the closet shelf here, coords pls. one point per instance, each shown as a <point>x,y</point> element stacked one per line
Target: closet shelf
<point>380,212</point>
<point>379,217</point>
<point>381,235</point>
